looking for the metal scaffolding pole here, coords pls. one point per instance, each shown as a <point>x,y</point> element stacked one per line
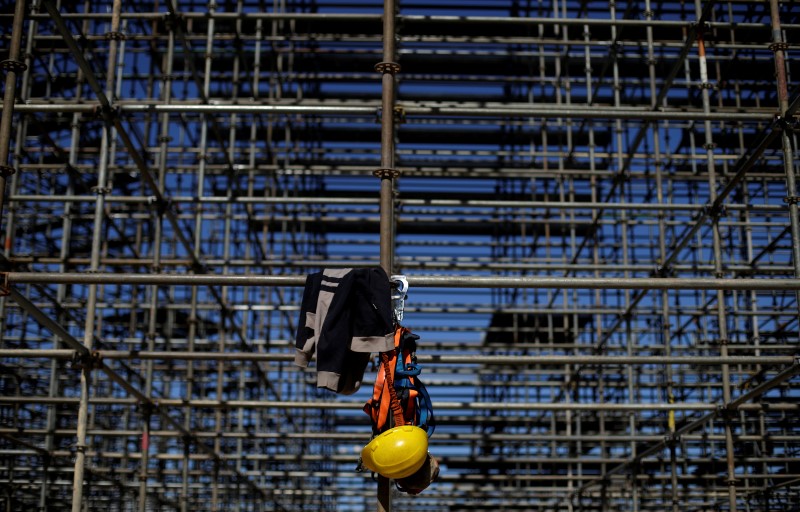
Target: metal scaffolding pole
<point>779,47</point>
<point>709,147</point>
<point>149,355</point>
<point>613,283</point>
<point>12,67</point>
<point>557,20</point>
<point>387,174</point>
<point>107,133</point>
<point>414,110</point>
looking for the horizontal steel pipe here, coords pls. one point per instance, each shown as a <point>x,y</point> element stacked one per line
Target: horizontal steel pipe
<point>579,283</point>
<point>348,459</point>
<point>422,358</point>
<point>494,406</point>
<point>24,353</point>
<point>410,18</point>
<point>449,478</point>
<point>573,111</point>
<point>443,203</point>
<point>611,283</point>
<point>458,459</point>
<point>442,438</point>
<point>407,263</point>
<point>154,279</point>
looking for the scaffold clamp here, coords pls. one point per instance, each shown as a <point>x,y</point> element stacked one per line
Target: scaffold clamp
<point>387,67</point>
<point>5,288</point>
<point>663,270</point>
<point>12,65</point>
<point>778,46</point>
<point>115,35</point>
<point>725,412</point>
<point>714,211</point>
<point>384,173</point>
<point>787,123</point>
<point>86,360</point>
<point>146,409</point>
<point>6,171</point>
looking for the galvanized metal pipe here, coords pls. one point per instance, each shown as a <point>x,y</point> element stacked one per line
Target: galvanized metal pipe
<point>12,67</point>
<point>483,359</point>
<point>613,283</point>
<point>100,189</point>
<point>779,47</point>
<point>401,201</point>
<point>427,265</point>
<point>387,173</point>
<point>441,439</point>
<point>276,15</point>
<point>412,110</point>
<point>444,405</point>
<point>716,242</point>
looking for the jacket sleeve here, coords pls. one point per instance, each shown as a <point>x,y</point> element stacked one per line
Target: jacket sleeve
<point>307,329</point>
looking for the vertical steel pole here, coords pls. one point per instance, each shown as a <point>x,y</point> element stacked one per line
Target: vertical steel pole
<point>12,66</point>
<point>228,236</point>
<point>145,443</point>
<point>621,168</point>
<point>599,295</point>
<point>217,490</point>
<point>779,47</point>
<point>718,270</point>
<point>21,130</point>
<point>155,267</point>
<point>91,303</point>
<point>666,330</point>
<point>387,173</point>
<point>264,296</point>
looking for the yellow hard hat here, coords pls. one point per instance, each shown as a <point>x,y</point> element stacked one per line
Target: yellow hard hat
<point>397,453</point>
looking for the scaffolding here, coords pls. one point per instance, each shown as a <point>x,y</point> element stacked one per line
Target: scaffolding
<point>594,203</point>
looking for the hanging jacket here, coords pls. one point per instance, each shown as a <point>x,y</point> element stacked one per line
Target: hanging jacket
<point>345,315</point>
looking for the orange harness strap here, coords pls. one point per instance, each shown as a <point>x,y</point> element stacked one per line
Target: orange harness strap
<point>384,396</point>
<point>397,411</point>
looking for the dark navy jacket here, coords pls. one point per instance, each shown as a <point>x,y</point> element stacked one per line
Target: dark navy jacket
<point>346,315</point>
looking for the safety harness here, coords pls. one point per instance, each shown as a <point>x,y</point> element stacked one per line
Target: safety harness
<point>398,388</point>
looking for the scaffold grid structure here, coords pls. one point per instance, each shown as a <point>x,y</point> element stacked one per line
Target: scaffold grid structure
<point>594,203</point>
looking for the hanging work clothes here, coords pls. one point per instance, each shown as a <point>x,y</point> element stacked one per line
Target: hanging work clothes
<point>346,314</point>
